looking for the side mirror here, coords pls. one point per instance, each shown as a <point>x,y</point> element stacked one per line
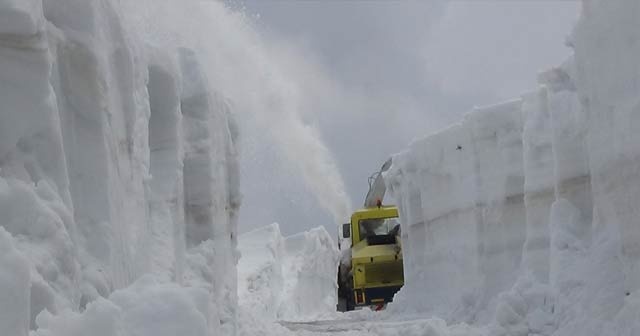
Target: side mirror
<point>346,230</point>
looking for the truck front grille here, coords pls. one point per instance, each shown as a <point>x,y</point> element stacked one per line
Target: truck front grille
<point>387,272</point>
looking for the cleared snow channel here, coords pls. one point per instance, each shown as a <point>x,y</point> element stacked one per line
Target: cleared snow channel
<point>119,187</point>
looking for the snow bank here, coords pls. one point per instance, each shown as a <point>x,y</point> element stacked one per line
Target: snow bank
<point>292,278</point>
<point>260,270</point>
<point>117,160</point>
<point>466,225</point>
<point>147,308</point>
<point>21,18</point>
<point>311,266</point>
<point>14,288</point>
<point>523,214</point>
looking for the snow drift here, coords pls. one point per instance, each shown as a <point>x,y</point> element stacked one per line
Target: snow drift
<point>117,159</point>
<point>145,308</point>
<point>524,214</point>
<point>288,278</point>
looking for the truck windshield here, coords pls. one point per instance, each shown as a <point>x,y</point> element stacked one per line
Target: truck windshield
<point>378,227</point>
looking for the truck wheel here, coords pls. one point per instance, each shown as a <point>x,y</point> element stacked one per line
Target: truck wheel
<point>351,304</point>
<point>342,304</point>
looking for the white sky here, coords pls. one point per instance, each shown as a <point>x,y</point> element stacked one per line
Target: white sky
<point>397,70</point>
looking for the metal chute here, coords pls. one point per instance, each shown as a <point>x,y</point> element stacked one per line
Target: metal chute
<point>377,188</point>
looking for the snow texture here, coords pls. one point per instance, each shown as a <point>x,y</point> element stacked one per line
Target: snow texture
<point>118,179</point>
<point>145,308</point>
<point>523,216</point>
<point>288,278</point>
<point>119,187</point>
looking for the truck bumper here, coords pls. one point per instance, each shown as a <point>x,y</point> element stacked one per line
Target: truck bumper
<point>374,296</point>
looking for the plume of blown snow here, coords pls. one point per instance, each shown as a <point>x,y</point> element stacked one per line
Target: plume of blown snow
<point>262,78</point>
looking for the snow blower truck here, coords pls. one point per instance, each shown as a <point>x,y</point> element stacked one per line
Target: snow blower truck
<point>371,269</point>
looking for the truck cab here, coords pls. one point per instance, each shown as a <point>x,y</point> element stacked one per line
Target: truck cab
<point>374,272</point>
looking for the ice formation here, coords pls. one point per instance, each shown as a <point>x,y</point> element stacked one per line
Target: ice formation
<point>117,165</point>
<point>523,215</point>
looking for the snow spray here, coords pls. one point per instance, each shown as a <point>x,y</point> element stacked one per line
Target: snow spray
<point>262,82</point>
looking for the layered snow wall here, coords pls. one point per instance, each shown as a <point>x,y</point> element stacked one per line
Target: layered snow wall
<point>524,214</point>
<point>117,163</point>
<point>288,278</point>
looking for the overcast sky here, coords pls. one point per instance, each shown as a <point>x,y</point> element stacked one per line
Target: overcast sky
<point>398,70</point>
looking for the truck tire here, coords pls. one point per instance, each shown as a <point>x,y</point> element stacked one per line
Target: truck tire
<point>350,304</point>
<point>345,294</point>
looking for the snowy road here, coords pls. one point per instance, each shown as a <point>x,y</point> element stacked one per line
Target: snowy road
<point>382,327</point>
<point>329,326</point>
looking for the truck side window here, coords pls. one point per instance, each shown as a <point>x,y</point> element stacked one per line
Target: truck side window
<point>346,230</point>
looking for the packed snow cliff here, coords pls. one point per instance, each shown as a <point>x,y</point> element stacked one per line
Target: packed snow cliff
<point>117,165</point>
<point>524,215</point>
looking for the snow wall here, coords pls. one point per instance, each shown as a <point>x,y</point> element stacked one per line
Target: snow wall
<point>288,278</point>
<point>524,215</point>
<point>118,179</point>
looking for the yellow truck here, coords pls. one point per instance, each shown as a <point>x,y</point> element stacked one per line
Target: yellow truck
<point>374,272</point>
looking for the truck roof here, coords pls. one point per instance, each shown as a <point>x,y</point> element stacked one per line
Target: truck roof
<point>385,211</point>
